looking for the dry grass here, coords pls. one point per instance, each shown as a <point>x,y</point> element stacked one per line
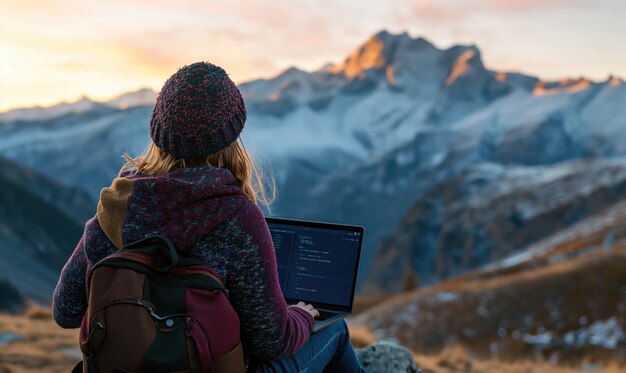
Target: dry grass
<point>44,347</point>
<point>457,359</point>
<point>364,302</point>
<point>48,348</point>
<point>39,313</point>
<point>554,297</point>
<point>361,336</point>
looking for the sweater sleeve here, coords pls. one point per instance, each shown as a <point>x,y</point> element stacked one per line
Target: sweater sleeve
<point>269,328</point>
<point>69,301</point>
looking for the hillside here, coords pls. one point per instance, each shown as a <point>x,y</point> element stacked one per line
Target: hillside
<point>39,228</point>
<point>490,212</point>
<point>561,301</point>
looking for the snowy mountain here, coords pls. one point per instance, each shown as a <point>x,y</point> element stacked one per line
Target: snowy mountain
<point>363,140</point>
<point>378,98</point>
<point>80,149</point>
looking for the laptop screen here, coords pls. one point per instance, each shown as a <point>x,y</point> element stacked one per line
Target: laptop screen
<point>317,262</point>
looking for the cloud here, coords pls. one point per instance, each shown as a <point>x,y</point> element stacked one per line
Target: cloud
<point>104,46</point>
<point>160,53</point>
<point>530,5</point>
<point>432,11</point>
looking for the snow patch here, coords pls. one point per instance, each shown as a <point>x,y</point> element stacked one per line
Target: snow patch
<point>606,334</point>
<point>446,297</point>
<point>540,339</point>
<point>8,337</point>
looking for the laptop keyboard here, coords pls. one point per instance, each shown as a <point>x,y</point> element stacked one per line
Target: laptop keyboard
<point>325,315</point>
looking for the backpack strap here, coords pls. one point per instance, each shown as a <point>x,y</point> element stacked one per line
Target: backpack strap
<point>158,247</point>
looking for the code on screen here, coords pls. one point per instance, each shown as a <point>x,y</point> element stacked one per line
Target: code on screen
<point>316,264</point>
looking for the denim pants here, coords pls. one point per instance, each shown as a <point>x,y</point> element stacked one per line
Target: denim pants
<point>328,350</point>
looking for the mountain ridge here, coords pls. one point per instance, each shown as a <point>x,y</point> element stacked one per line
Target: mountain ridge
<point>129,99</point>
<point>375,53</point>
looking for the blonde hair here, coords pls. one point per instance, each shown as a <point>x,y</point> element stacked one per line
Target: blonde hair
<point>156,162</point>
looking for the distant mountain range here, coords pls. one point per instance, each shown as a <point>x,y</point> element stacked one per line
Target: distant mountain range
<point>409,140</point>
<point>141,97</point>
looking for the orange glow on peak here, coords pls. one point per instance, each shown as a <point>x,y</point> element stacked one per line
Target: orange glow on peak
<point>569,82</point>
<point>615,81</point>
<point>541,90</point>
<point>565,81</point>
<point>563,85</point>
<point>581,85</point>
<point>389,71</point>
<point>461,66</point>
<point>369,56</point>
<point>501,76</point>
<point>274,96</point>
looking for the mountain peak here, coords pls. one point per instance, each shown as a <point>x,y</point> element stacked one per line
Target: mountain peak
<point>615,80</point>
<point>382,34</point>
<point>140,97</point>
<point>292,70</point>
<point>83,99</point>
<point>385,35</point>
<point>378,52</point>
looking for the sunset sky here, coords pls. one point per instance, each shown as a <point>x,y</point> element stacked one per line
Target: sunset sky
<point>58,50</point>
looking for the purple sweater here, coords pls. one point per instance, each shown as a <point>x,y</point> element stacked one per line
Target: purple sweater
<point>207,216</point>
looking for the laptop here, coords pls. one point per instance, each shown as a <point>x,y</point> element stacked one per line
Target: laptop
<point>318,264</point>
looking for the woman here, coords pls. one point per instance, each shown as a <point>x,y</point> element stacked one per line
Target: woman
<point>197,185</point>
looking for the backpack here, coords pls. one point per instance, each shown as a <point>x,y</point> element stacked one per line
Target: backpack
<point>150,310</point>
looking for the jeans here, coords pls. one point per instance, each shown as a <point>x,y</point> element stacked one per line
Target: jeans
<point>328,350</point>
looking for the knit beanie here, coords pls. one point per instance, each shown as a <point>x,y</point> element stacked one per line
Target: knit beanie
<point>199,111</point>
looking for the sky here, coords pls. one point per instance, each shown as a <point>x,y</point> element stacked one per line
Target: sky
<point>60,50</point>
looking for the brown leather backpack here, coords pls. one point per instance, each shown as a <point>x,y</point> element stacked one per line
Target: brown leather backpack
<point>153,311</point>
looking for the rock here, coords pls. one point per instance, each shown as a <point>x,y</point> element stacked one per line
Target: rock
<point>8,337</point>
<point>385,356</point>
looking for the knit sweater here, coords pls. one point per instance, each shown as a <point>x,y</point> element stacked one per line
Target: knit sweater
<point>207,216</point>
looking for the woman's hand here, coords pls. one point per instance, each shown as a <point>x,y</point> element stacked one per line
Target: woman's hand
<point>308,308</point>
